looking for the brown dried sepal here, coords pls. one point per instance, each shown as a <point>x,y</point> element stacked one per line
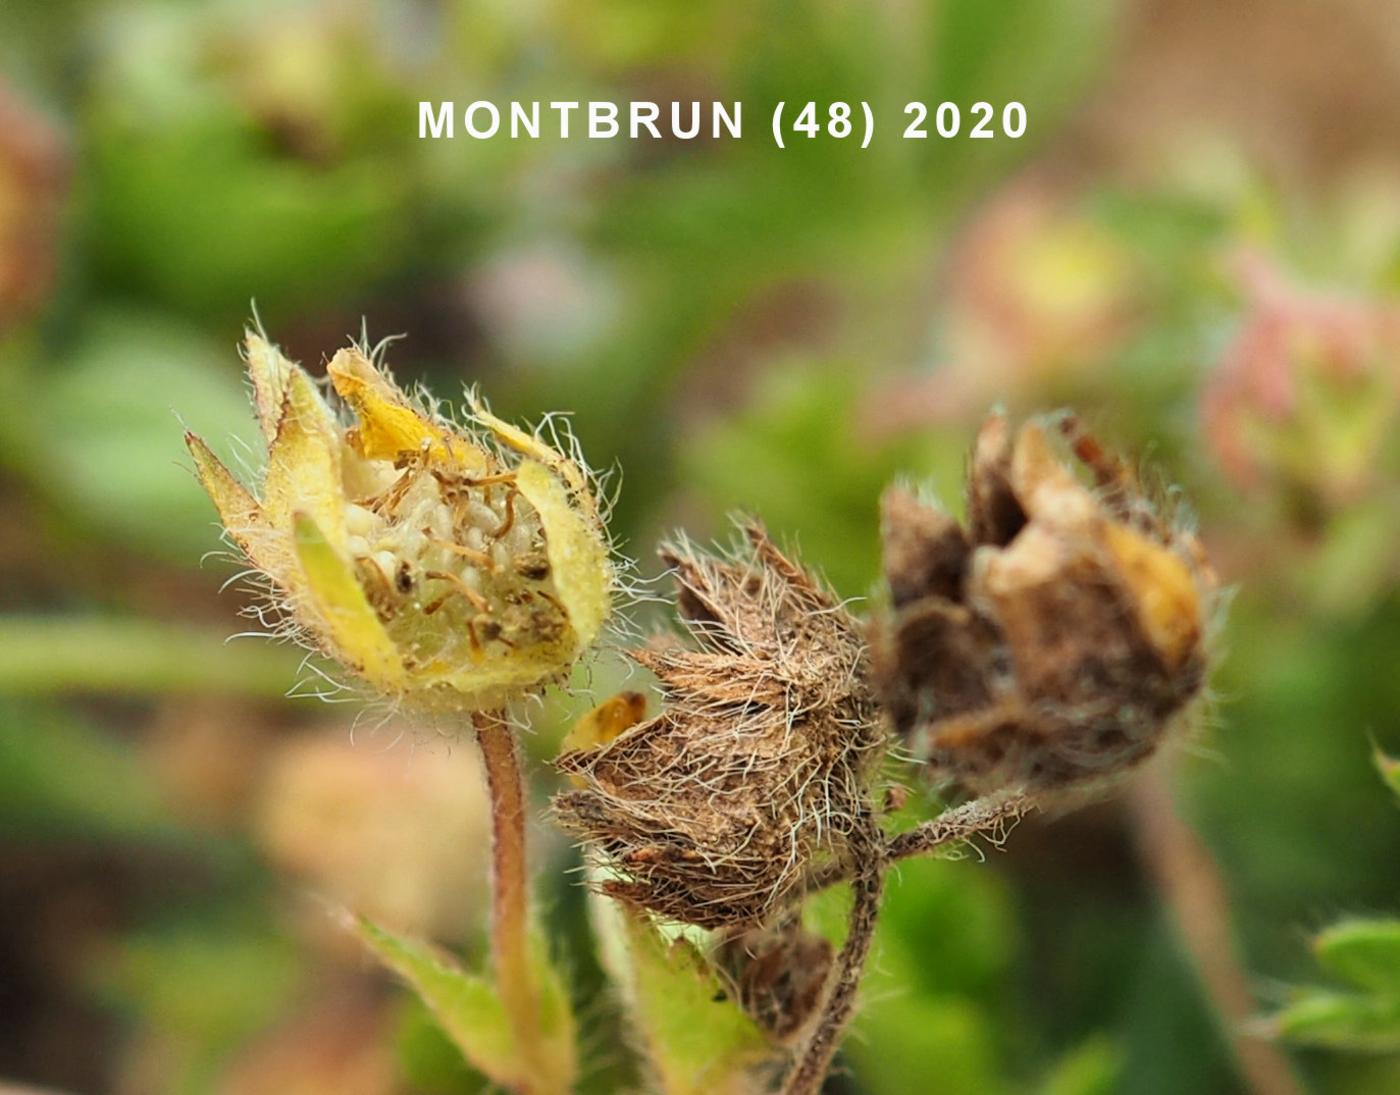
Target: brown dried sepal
<point>1053,641</point>
<point>713,812</point>
<point>778,974</point>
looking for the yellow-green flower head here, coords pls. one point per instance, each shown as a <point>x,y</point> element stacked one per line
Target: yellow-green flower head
<point>449,567</point>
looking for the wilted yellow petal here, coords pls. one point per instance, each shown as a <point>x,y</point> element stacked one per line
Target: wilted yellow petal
<point>303,463</point>
<point>528,444</point>
<point>1164,590</point>
<point>388,426</point>
<point>605,722</point>
<point>353,631</point>
<point>578,557</point>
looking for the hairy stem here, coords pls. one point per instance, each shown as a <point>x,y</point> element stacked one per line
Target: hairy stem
<point>814,1058</point>
<point>510,937</point>
<point>986,816</point>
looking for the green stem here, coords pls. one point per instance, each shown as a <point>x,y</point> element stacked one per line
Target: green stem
<point>510,936</point>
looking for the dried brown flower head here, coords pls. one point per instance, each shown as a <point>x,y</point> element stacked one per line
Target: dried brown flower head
<point>1056,637</point>
<point>758,765</point>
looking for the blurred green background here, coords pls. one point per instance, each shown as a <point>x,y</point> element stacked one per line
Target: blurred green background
<point>1196,244</point>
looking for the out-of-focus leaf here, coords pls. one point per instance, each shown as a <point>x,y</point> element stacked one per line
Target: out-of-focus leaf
<point>898,1039</point>
<point>1389,769</point>
<point>698,1040</point>
<point>1341,1021</point>
<point>1093,1068</point>
<point>1039,52</point>
<point>431,1061</point>
<point>200,992</point>
<point>221,167</point>
<point>209,983</point>
<point>1355,560</point>
<point>952,921</point>
<point>1364,952</point>
<point>823,470</point>
<point>942,946</point>
<point>101,438</point>
<point>61,777</point>
<point>470,1012</point>
<point>117,656</point>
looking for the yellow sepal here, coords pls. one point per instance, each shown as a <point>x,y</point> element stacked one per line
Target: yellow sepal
<point>578,557</point>
<point>1164,590</point>
<point>303,463</point>
<point>494,682</point>
<point>239,511</point>
<point>269,372</point>
<point>355,635</point>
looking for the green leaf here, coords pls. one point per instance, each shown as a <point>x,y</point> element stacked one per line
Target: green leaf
<point>1389,769</point>
<point>699,1041</point>
<point>61,777</point>
<point>1364,952</point>
<point>128,656</point>
<point>1341,1021</point>
<point>821,478</point>
<point>203,989</point>
<point>466,1006</point>
<point>554,1054</point>
<point>430,1061</point>
<point>1094,1067</point>
<point>99,436</point>
<point>896,1038</point>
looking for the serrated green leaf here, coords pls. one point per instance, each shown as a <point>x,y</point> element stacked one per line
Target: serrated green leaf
<point>1341,1021</point>
<point>1364,952</point>
<point>698,1040</point>
<point>470,1011</point>
<point>465,1006</point>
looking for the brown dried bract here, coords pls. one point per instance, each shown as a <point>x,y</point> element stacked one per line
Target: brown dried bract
<point>1055,638</point>
<point>778,973</point>
<point>713,812</point>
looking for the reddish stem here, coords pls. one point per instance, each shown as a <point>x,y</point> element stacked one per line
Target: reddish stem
<point>510,945</point>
